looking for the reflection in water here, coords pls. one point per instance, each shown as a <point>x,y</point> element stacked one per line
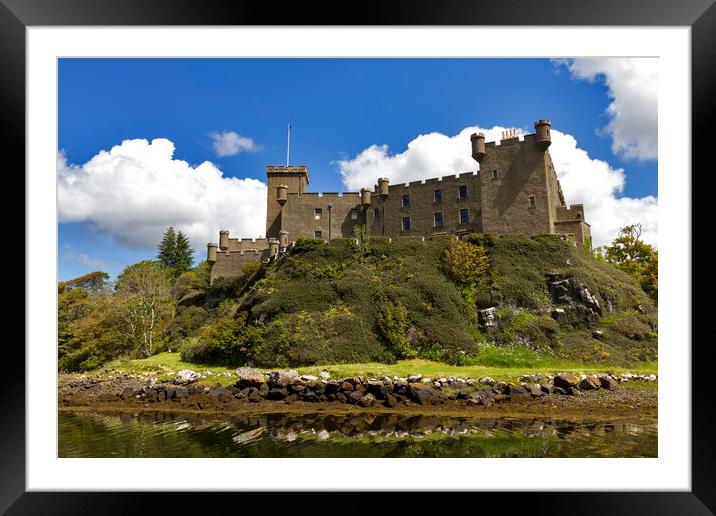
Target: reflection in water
<point>162,434</point>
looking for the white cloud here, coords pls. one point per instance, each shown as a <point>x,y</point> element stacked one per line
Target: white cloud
<point>229,143</point>
<point>633,89</point>
<point>591,182</point>
<point>136,190</point>
<point>71,255</point>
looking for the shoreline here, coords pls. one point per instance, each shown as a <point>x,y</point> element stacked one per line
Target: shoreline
<point>633,400</point>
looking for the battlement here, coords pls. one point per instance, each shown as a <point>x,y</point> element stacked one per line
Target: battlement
<point>574,212</point>
<point>326,194</point>
<point>452,178</point>
<point>290,168</point>
<point>284,171</point>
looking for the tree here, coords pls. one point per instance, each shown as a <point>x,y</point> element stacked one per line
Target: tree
<point>144,292</point>
<point>167,248</point>
<point>183,254</point>
<point>92,282</point>
<point>635,257</point>
<point>175,252</point>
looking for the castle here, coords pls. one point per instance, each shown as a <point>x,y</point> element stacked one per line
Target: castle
<point>515,191</point>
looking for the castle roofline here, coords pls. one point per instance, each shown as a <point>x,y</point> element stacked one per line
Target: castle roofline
<point>283,169</point>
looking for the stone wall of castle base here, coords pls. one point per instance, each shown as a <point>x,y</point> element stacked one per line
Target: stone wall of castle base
<point>229,265</point>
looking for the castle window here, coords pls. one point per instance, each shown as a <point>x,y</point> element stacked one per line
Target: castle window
<point>318,235</point>
<point>462,192</point>
<point>376,212</point>
<point>464,216</point>
<point>579,215</point>
<point>438,195</point>
<point>532,201</point>
<point>406,223</point>
<point>405,201</point>
<point>494,173</point>
<point>354,213</point>
<point>318,213</point>
<point>438,217</point>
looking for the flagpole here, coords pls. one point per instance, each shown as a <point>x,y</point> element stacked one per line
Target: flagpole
<point>288,146</point>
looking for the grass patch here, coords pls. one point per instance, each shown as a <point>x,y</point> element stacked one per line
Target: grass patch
<point>164,366</point>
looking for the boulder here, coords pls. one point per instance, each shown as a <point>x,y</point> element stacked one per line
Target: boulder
<point>566,380</point>
<point>249,377</point>
<point>501,388</point>
<point>367,400</point>
<point>425,395</point>
<point>609,383</point>
<point>486,380</point>
<point>341,398</point>
<point>325,375</point>
<point>283,378</point>
<point>277,394</point>
<point>547,388</point>
<point>347,386</point>
<point>263,390</point>
<point>309,396</point>
<point>415,378</point>
<point>379,389</point>
<point>589,383</point>
<point>534,389</point>
<point>390,401</point>
<point>486,318</point>
<point>481,397</point>
<point>559,390</point>
<point>355,397</point>
<point>573,391</point>
<point>309,378</point>
<point>186,376</point>
<point>254,395</point>
<point>517,391</point>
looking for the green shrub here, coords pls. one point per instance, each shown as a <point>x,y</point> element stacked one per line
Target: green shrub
<point>392,323</point>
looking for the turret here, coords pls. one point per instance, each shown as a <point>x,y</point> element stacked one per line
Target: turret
<point>365,197</point>
<point>383,183</point>
<point>283,239</point>
<point>282,194</point>
<point>543,137</point>
<point>223,240</point>
<point>211,253</point>
<point>478,146</point>
<point>273,246</point>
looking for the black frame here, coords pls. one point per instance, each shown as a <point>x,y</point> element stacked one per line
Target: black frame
<point>700,15</point>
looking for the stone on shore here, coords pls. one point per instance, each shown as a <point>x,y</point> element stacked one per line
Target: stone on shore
<point>249,377</point>
<point>566,380</point>
<point>186,376</point>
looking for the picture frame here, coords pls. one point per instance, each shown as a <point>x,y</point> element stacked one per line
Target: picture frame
<point>17,15</point>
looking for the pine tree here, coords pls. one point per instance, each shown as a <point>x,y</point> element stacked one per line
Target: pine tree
<point>183,254</point>
<point>167,248</point>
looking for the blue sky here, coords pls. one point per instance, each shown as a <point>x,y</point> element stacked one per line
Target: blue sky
<point>338,108</point>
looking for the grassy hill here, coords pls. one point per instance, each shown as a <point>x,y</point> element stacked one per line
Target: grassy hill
<point>378,301</point>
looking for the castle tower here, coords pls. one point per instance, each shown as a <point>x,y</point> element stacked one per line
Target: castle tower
<point>282,181</point>
<point>518,184</point>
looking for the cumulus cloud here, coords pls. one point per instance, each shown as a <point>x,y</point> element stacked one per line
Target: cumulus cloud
<point>229,143</point>
<point>137,189</point>
<point>633,89</point>
<point>584,180</point>
<point>69,254</point>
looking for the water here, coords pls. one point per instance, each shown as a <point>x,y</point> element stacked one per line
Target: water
<point>162,434</point>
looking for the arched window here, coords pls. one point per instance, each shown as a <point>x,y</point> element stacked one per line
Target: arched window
<point>579,215</point>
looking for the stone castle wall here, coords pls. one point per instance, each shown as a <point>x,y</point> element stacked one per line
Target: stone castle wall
<point>422,207</point>
<point>300,220</point>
